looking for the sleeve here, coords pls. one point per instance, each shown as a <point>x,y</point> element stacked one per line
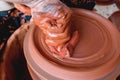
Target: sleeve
<point>39,7</point>
<point>86,4</point>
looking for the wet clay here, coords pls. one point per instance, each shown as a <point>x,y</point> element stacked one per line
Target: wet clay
<point>115,19</point>
<point>105,2</point>
<point>56,29</point>
<point>95,55</point>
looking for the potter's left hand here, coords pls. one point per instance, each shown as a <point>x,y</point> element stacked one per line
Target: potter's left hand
<point>53,9</point>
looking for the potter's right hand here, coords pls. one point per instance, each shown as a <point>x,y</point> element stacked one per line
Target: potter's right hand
<point>52,8</point>
<point>55,8</point>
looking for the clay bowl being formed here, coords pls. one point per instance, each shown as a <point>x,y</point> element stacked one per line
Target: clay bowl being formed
<point>95,56</point>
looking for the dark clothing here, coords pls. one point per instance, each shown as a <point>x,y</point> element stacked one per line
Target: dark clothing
<point>7,26</point>
<point>13,22</point>
<point>27,18</point>
<point>86,4</point>
<point>14,57</point>
<point>4,33</point>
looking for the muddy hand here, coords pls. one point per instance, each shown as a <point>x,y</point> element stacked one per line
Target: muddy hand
<point>68,48</point>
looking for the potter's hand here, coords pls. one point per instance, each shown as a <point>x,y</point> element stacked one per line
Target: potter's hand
<point>67,49</point>
<point>39,7</point>
<point>52,18</point>
<point>53,10</point>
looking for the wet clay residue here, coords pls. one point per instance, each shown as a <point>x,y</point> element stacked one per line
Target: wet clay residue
<point>57,29</point>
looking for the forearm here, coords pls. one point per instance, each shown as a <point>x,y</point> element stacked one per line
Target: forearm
<point>48,6</point>
<point>32,3</point>
<point>18,1</point>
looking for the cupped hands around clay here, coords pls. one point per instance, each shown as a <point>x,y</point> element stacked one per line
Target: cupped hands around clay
<point>54,21</point>
<point>54,10</point>
<point>53,18</point>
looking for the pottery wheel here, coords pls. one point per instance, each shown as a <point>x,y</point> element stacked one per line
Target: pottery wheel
<point>95,52</point>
